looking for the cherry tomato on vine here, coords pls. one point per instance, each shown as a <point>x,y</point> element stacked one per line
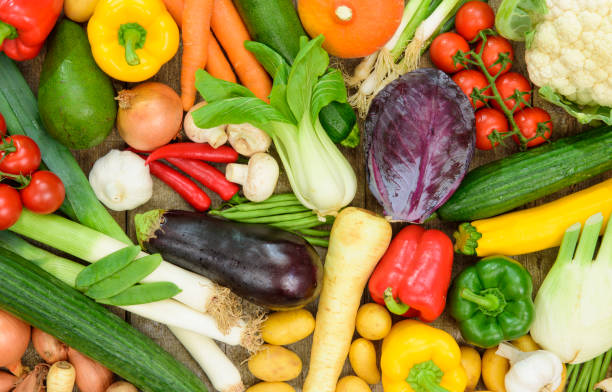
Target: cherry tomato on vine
<point>444,47</point>
<point>2,125</point>
<point>507,84</point>
<point>469,79</point>
<point>25,159</point>
<point>10,206</point>
<point>472,18</point>
<point>487,120</point>
<point>527,120</point>
<point>44,194</point>
<point>494,46</point>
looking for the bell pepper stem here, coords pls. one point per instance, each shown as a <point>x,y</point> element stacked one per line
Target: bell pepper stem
<point>426,377</point>
<point>466,239</point>
<point>132,36</point>
<point>489,302</point>
<point>394,306</point>
<point>7,32</point>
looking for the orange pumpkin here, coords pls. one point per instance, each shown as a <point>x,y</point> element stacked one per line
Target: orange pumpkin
<point>352,28</point>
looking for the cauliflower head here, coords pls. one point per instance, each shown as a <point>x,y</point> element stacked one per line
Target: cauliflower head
<point>571,51</point>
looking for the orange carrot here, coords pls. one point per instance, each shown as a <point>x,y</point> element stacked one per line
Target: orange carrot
<point>217,65</point>
<point>231,33</point>
<point>175,7</point>
<point>196,34</point>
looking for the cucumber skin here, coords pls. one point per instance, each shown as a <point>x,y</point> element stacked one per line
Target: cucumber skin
<point>47,303</point>
<point>505,184</point>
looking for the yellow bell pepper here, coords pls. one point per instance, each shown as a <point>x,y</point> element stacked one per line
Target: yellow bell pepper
<point>131,39</point>
<point>419,358</point>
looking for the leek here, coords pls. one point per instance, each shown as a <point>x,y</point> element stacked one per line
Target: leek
<point>573,313</point>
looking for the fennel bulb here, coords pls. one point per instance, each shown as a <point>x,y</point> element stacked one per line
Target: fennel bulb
<point>320,176</point>
<point>573,313</point>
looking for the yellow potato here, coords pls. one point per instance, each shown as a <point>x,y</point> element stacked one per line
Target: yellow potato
<point>271,387</point>
<point>352,384</point>
<point>79,10</point>
<point>470,360</point>
<point>283,328</point>
<point>525,343</point>
<point>275,363</point>
<point>362,356</point>
<point>494,369</point>
<point>373,321</point>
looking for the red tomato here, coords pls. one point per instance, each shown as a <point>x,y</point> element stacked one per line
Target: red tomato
<point>2,125</point>
<point>473,17</point>
<point>494,46</point>
<point>487,120</point>
<point>10,206</point>
<point>25,159</point>
<point>507,84</point>
<point>527,121</point>
<point>44,194</point>
<point>467,80</point>
<point>444,47</point>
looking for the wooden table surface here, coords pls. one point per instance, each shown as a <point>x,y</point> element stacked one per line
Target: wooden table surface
<point>163,197</point>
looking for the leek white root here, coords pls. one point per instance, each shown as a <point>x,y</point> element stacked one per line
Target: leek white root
<point>605,385</point>
<point>222,373</point>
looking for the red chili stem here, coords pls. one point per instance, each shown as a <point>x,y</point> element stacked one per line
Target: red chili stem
<point>200,151</point>
<point>210,177</point>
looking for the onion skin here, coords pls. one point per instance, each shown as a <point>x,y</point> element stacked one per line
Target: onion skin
<point>7,381</point>
<point>90,375</point>
<point>121,386</point>
<point>149,115</point>
<point>33,382</point>
<point>14,339</point>
<point>48,347</point>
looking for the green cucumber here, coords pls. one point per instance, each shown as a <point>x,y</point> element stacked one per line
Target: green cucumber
<point>505,184</point>
<point>50,305</point>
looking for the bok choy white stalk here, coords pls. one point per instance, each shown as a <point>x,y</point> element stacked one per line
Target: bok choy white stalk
<point>573,312</point>
<point>320,176</point>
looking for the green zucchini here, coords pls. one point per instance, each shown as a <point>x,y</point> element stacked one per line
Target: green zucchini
<point>505,184</point>
<point>47,303</point>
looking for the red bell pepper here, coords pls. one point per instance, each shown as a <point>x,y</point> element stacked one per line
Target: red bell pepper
<point>25,25</point>
<point>413,276</point>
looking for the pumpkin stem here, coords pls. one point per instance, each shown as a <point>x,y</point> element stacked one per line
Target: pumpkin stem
<point>344,13</point>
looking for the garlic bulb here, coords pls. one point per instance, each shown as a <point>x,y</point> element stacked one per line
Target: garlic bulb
<point>121,181</point>
<point>534,371</point>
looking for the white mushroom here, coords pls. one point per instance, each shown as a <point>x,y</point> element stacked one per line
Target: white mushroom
<point>258,178</point>
<point>247,139</point>
<point>214,136</point>
<point>121,180</point>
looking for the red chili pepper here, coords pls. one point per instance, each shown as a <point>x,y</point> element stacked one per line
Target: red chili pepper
<point>201,151</point>
<point>413,276</point>
<point>25,24</point>
<point>2,125</point>
<point>188,189</point>
<point>210,177</point>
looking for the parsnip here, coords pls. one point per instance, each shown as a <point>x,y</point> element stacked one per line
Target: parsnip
<point>358,240</point>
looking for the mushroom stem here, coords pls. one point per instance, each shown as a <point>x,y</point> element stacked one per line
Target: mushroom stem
<point>237,173</point>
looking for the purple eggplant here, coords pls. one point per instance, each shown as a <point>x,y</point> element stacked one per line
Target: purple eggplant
<point>265,265</point>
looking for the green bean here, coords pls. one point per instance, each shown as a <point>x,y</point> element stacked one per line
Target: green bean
<point>606,364</point>
<point>278,211</point>
<point>280,218</point>
<point>299,224</point>
<point>314,233</point>
<point>317,241</point>
<point>125,278</point>
<point>595,371</point>
<point>583,379</point>
<point>106,266</point>
<point>143,294</point>
<point>573,378</point>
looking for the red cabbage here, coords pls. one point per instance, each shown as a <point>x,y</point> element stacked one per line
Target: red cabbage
<point>419,143</point>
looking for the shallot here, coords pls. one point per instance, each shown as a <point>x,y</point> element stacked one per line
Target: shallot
<point>33,382</point>
<point>90,375</point>
<point>14,340</point>
<point>122,386</point>
<point>7,382</point>
<point>48,347</point>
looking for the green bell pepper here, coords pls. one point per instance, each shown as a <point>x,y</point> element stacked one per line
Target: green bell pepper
<point>491,301</point>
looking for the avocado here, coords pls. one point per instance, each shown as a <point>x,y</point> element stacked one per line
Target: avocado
<point>76,99</point>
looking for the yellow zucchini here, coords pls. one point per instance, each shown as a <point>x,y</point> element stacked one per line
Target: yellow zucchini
<point>533,229</point>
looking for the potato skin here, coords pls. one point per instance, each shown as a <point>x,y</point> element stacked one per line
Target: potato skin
<point>373,321</point>
<point>470,360</point>
<point>275,363</point>
<point>494,369</point>
<point>271,387</point>
<point>352,384</point>
<point>282,328</point>
<point>362,356</point>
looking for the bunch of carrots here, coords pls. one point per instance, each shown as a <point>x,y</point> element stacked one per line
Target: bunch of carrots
<point>202,48</point>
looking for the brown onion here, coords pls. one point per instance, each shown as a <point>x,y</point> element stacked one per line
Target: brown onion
<point>149,115</point>
<point>48,347</point>
<point>14,339</point>
<point>90,375</point>
<point>7,382</point>
<point>33,382</point>
<point>122,386</point>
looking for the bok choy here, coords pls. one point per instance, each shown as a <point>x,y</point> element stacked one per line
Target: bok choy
<point>573,312</point>
<point>320,176</point>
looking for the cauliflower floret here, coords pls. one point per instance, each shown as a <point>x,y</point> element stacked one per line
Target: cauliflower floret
<point>572,51</point>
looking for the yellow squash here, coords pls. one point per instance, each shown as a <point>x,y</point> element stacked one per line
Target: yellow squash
<point>536,228</point>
